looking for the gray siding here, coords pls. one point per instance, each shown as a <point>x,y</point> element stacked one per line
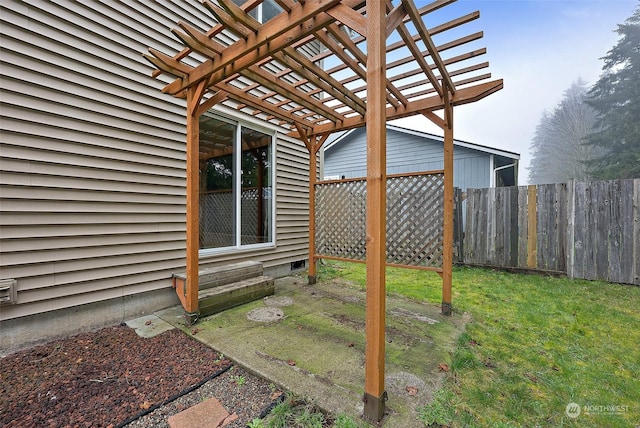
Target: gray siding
<point>407,153</point>
<point>92,156</point>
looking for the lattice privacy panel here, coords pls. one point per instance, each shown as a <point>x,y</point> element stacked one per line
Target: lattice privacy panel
<point>415,220</point>
<point>217,218</point>
<point>341,210</point>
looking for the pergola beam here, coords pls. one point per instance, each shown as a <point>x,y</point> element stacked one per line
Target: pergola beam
<point>232,23</point>
<point>394,46</point>
<point>242,97</point>
<point>303,66</point>
<point>196,41</point>
<point>418,71</point>
<point>216,98</point>
<point>394,17</point>
<point>286,89</point>
<point>462,96</point>
<point>347,43</point>
<point>239,15</point>
<point>410,7</point>
<point>349,17</point>
<point>422,62</point>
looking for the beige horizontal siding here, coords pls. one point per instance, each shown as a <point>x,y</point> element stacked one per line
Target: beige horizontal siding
<point>37,231</point>
<point>92,156</point>
<point>138,284</point>
<point>62,242</point>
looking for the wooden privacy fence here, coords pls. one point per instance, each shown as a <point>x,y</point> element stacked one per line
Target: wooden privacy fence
<point>587,230</point>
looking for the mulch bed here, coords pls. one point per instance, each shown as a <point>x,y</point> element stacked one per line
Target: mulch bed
<point>107,378</point>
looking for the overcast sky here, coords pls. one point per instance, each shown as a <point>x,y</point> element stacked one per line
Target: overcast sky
<point>539,48</point>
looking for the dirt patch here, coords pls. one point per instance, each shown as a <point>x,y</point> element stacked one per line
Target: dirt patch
<point>108,377</point>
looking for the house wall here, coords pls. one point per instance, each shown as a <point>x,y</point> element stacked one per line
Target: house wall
<point>407,153</point>
<point>92,165</point>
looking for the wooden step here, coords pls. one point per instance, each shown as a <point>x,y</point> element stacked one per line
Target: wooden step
<point>220,275</point>
<point>222,297</point>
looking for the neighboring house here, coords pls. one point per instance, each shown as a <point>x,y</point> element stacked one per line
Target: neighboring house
<point>474,166</point>
<point>92,171</point>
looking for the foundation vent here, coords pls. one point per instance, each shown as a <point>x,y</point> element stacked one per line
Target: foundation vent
<point>8,291</point>
<point>298,265</point>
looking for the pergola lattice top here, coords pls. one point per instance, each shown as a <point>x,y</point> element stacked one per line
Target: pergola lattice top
<point>276,71</point>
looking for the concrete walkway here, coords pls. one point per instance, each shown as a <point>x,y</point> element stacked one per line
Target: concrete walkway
<point>310,340</point>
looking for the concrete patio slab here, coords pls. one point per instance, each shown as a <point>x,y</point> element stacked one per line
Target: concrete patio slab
<point>149,325</point>
<point>315,347</point>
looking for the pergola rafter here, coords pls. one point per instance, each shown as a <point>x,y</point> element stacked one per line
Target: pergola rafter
<point>318,67</point>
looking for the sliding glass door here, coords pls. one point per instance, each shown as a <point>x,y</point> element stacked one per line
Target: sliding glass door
<point>236,185</point>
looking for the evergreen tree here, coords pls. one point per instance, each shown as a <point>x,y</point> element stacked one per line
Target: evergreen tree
<point>616,100</point>
<point>558,150</point>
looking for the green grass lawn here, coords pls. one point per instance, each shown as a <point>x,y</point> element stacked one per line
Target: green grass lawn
<point>534,345</point>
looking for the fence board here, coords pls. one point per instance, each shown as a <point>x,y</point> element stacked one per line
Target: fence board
<point>602,220</point>
<point>548,223</point>
<point>542,219</point>
<point>523,225</point>
<point>514,233</point>
<point>591,203</point>
<point>621,236</point>
<point>570,237</point>
<point>490,236</point>
<point>458,246</point>
<point>636,231</point>
<point>474,224</point>
<point>484,214</point>
<point>576,268</point>
<point>614,239</point>
<point>471,224</point>
<point>499,212</point>
<point>563,225</point>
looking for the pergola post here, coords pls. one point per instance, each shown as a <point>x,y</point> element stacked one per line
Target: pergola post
<point>374,392</point>
<point>314,144</point>
<point>312,211</point>
<point>447,257</point>
<point>189,296</point>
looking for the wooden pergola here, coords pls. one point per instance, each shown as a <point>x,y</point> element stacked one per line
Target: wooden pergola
<point>317,67</point>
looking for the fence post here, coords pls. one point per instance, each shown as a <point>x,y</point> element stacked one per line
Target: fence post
<point>532,235</point>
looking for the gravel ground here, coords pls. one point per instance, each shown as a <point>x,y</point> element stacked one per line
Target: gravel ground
<point>239,392</point>
<point>109,377</point>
